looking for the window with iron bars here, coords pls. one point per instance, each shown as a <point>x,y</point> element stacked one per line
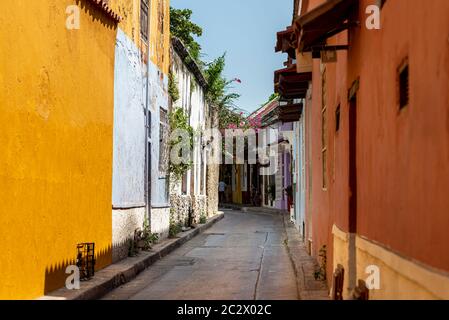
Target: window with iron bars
<point>144,5</point>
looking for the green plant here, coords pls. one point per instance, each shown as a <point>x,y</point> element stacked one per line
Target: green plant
<point>320,272</point>
<point>203,218</point>
<point>184,29</point>
<point>173,90</point>
<point>179,121</point>
<point>271,98</point>
<point>218,87</point>
<point>217,93</point>
<point>175,226</point>
<point>174,229</point>
<point>143,239</point>
<point>217,90</point>
<point>147,236</point>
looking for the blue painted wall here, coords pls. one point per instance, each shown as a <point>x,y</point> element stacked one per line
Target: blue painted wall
<point>158,95</point>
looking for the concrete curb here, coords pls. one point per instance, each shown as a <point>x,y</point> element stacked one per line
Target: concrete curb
<point>304,265</point>
<point>126,270</point>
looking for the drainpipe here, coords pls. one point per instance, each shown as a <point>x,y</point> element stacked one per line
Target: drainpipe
<point>147,149</point>
<point>148,137</point>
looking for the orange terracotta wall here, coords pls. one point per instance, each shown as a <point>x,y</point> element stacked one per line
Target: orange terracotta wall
<point>327,206</point>
<point>403,156</point>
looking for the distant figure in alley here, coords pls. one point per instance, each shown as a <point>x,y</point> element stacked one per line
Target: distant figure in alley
<point>221,191</point>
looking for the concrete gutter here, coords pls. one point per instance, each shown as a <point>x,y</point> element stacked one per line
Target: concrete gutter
<point>126,270</point>
<point>304,265</point>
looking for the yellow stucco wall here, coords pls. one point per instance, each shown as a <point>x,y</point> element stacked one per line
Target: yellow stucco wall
<point>341,256</point>
<point>159,28</point>
<point>129,11</point>
<point>56,115</point>
<point>160,34</point>
<point>400,278</point>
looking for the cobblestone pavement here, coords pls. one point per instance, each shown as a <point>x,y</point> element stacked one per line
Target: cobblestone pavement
<point>243,256</point>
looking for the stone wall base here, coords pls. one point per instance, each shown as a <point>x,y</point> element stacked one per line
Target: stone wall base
<point>160,222</point>
<point>181,206</point>
<point>124,223</point>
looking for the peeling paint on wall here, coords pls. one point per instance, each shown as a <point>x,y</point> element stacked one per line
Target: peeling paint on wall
<point>158,93</point>
<point>129,126</point>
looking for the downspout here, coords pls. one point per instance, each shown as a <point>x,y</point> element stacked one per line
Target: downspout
<point>147,149</point>
<point>148,142</point>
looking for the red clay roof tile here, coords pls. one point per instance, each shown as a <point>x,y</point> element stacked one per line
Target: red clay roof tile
<point>104,6</point>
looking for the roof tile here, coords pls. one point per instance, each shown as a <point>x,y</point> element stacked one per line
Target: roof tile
<point>104,6</point>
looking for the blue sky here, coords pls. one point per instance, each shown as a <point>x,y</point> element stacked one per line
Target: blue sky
<point>246,31</point>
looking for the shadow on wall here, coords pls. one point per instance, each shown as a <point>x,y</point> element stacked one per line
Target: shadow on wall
<point>97,14</point>
<point>55,275</point>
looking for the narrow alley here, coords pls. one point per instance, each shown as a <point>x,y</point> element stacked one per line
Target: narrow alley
<point>224,150</point>
<point>242,257</point>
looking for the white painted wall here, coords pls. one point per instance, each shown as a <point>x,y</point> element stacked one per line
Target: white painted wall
<point>299,174</point>
<point>192,100</point>
<point>128,189</point>
<point>128,179</point>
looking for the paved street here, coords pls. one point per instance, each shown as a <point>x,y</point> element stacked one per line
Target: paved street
<point>243,256</point>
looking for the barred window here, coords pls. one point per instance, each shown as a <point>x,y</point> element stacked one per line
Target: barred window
<point>144,5</point>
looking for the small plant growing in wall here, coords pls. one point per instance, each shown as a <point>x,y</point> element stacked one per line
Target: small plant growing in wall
<point>175,227</point>
<point>143,240</point>
<point>147,238</point>
<point>173,90</point>
<point>320,272</point>
<point>203,217</point>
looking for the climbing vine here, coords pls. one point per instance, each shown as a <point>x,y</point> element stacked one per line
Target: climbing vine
<point>218,91</point>
<point>179,120</point>
<point>173,90</point>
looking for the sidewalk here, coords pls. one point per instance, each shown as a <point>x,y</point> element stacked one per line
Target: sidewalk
<point>126,270</point>
<point>304,265</point>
